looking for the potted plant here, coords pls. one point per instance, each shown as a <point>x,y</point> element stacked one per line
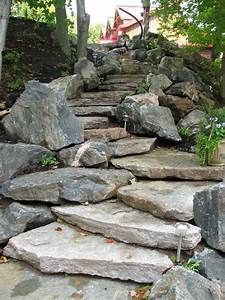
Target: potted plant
<point>210,138</point>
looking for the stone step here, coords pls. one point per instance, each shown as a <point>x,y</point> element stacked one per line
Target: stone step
<point>132,145</point>
<point>94,122</point>
<point>60,248</point>
<point>105,98</point>
<point>124,79</point>
<point>115,220</point>
<point>78,185</point>
<point>130,86</point>
<point>167,163</point>
<point>135,67</point>
<point>95,111</point>
<point>108,134</point>
<point>164,199</point>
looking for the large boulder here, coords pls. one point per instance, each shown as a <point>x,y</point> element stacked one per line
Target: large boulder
<point>192,120</point>
<point>17,218</point>
<point>90,154</point>
<point>15,158</point>
<point>71,184</point>
<point>88,73</point>
<point>154,55</point>
<point>67,87</point>
<point>150,120</point>
<point>147,98</point>
<point>41,116</point>
<point>209,214</point>
<point>181,284</point>
<point>161,82</point>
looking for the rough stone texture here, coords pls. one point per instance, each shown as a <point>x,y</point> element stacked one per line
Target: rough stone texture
<point>17,218</point>
<point>109,134</point>
<point>67,87</point>
<point>130,146</point>
<point>160,81</point>
<point>66,250</point>
<point>129,86</point>
<point>22,282</point>
<point>116,220</point>
<point>41,117</point>
<point>135,67</point>
<point>91,153</point>
<point>154,55</point>
<point>173,68</point>
<point>108,98</point>
<point>180,284</point>
<point>192,120</point>
<point>104,111</point>
<point>212,264</point>
<point>209,214</point>
<point>179,107</point>
<point>94,122</point>
<point>164,199</point>
<point>165,163</point>
<point>110,66</point>
<point>15,158</point>
<point>149,120</point>
<point>88,73</point>
<point>72,184</point>
<point>147,98</point>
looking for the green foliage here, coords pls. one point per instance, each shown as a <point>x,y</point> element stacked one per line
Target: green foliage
<point>94,33</point>
<point>143,87</point>
<point>49,160</point>
<point>185,132</point>
<point>152,44</point>
<point>16,84</point>
<point>12,56</point>
<point>192,265</point>
<point>210,132</point>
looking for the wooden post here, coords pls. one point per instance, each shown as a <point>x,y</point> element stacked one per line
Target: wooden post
<point>83,21</point>
<point>5,6</point>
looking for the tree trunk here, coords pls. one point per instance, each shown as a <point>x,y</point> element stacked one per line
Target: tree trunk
<point>5,6</point>
<point>83,21</point>
<point>146,20</point>
<point>62,27</point>
<point>222,83</point>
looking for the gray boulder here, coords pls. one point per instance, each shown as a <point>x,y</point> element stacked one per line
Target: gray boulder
<point>209,215</point>
<point>174,68</point>
<point>41,116</point>
<point>17,218</point>
<point>89,154</point>
<point>109,67</point>
<point>154,56</point>
<point>160,81</point>
<point>71,184</point>
<point>181,284</point>
<point>150,120</point>
<point>17,157</point>
<point>88,73</point>
<point>212,264</point>
<point>67,87</point>
<point>192,120</point>
<point>139,54</point>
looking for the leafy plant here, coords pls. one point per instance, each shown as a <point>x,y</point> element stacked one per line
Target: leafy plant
<point>210,132</point>
<point>49,160</point>
<point>192,265</point>
<point>185,132</point>
<point>16,84</point>
<point>13,56</point>
<point>143,87</point>
<point>152,45</point>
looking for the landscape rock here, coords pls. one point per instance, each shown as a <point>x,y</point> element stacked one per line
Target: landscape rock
<point>17,218</point>
<point>160,81</point>
<point>94,122</point>
<point>130,146</point>
<point>108,134</point>
<point>212,264</point>
<point>166,163</point>
<point>90,154</point>
<point>67,87</point>
<point>147,98</point>
<point>118,221</point>
<point>149,120</point>
<point>42,117</point>
<point>59,248</point>
<point>154,55</point>
<point>179,107</point>
<point>209,214</point>
<point>192,120</point>
<point>110,66</point>
<point>163,199</point>
<point>104,111</point>
<point>88,73</point>
<point>71,184</point>
<point>16,158</point>
<point>185,89</point>
<point>139,54</point>
<point>179,283</point>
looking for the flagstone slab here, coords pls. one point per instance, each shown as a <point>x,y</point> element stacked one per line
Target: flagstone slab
<point>164,199</point>
<point>115,220</point>
<point>166,163</point>
<point>60,248</point>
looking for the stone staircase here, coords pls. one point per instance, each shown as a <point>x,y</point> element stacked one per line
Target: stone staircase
<point>133,235</point>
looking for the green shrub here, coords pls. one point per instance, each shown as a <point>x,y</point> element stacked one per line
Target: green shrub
<point>49,160</point>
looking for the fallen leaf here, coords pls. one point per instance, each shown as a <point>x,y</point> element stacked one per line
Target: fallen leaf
<point>58,229</point>
<point>3,259</point>
<point>109,241</point>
